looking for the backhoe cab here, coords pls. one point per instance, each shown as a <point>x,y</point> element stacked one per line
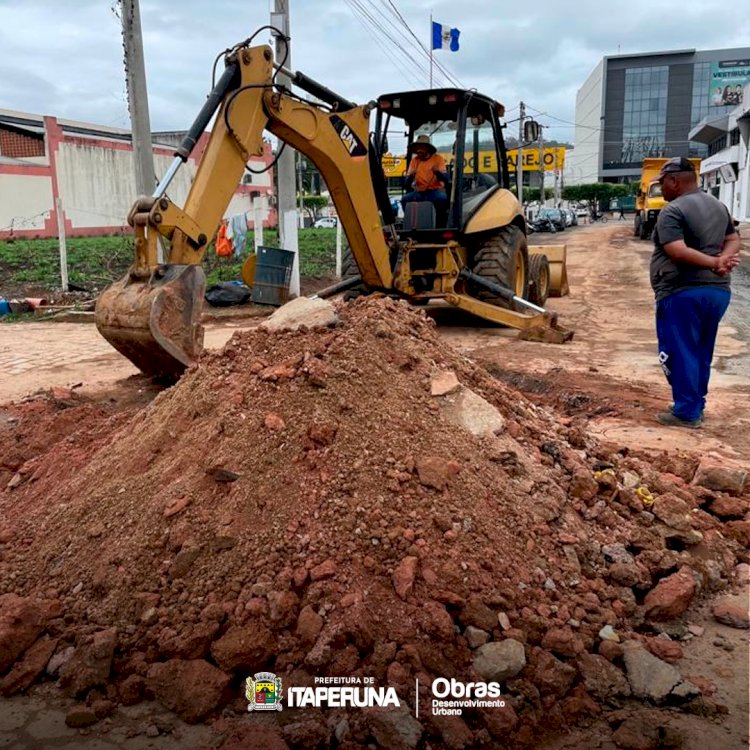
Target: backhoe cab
<point>474,257</point>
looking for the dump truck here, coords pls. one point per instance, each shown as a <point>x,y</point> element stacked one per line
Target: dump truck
<point>473,256</point>
<point>650,201</point>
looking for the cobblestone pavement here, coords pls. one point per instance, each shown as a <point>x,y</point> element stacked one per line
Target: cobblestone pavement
<point>40,355</point>
<point>37,722</point>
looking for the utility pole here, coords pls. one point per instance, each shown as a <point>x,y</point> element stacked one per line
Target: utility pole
<point>285,183</point>
<point>519,154</point>
<point>135,71</point>
<point>301,190</point>
<point>541,165</point>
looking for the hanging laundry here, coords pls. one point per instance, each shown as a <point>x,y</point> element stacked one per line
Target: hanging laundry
<point>224,246</point>
<point>237,232</point>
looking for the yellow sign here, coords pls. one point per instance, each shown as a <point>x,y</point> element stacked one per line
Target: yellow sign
<point>554,158</point>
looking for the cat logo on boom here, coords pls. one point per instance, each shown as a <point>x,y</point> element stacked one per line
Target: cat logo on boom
<point>349,138</point>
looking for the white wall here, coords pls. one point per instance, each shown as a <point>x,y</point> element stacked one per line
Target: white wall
<point>25,201</point>
<point>97,185</point>
<point>582,164</point>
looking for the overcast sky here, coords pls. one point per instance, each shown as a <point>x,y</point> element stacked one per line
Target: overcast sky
<point>64,57</point>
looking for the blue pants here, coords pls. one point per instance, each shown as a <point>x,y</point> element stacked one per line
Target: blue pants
<point>686,326</point>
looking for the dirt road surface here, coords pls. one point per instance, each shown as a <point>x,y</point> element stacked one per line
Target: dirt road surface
<point>609,372</point>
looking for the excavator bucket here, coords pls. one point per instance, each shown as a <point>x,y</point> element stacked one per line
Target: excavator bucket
<point>558,273</point>
<point>154,320</point>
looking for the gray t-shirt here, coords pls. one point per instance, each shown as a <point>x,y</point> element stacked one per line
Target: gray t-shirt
<point>703,222</point>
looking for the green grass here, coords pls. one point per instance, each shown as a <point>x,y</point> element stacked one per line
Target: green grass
<point>94,262</point>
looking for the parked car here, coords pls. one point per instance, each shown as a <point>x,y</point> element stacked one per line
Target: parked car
<point>541,224</point>
<point>571,218</point>
<point>326,222</point>
<point>555,215</point>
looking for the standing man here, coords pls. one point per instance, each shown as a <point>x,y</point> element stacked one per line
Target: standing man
<point>695,249</point>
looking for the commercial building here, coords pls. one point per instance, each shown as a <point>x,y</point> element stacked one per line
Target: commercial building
<point>725,171</point>
<point>80,176</point>
<point>634,106</point>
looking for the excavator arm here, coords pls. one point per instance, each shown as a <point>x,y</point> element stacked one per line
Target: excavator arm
<point>152,315</point>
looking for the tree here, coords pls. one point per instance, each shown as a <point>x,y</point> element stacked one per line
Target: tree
<point>531,195</point>
<point>314,204</point>
<point>596,194</point>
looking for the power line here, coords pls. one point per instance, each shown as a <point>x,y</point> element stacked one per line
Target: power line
<point>373,26</point>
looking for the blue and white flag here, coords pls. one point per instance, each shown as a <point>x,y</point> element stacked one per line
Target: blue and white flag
<point>444,37</point>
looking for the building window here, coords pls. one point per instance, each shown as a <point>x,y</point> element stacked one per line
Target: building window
<point>734,136</point>
<point>717,144</point>
<point>645,114</point>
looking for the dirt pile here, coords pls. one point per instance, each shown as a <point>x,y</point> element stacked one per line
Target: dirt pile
<point>357,501</point>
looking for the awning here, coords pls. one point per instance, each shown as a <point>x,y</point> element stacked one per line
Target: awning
<point>708,130</point>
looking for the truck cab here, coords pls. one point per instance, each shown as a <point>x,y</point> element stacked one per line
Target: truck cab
<point>650,200</point>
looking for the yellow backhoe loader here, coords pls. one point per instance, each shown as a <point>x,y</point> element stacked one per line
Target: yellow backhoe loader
<point>474,256</point>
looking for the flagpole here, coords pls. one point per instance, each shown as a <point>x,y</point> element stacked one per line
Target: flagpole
<point>432,51</point>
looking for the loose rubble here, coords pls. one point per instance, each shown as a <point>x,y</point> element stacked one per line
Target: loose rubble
<point>356,499</point>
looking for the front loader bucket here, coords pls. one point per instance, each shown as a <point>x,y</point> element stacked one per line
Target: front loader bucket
<point>155,321</point>
<point>549,332</point>
<point>558,271</point>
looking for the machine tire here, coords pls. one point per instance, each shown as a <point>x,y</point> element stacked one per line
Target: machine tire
<point>637,226</point>
<point>349,268</point>
<point>538,279</point>
<point>503,259</point>
<point>644,232</point>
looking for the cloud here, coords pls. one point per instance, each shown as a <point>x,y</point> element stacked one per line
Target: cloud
<point>66,59</point>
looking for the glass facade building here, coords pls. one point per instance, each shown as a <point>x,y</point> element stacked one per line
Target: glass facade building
<point>637,106</point>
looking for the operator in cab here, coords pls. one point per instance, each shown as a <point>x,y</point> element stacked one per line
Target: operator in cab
<point>426,178</point>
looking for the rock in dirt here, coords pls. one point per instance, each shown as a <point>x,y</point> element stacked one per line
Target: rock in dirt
<point>671,596</point>
<point>603,680</point>
<point>131,690</point>
<point>563,641</point>
<point>732,611</point>
<point>394,728</point>
<point>21,623</point>
<point>728,508</point>
<point>665,649</point>
<point>433,471</point>
<point>476,637</point>
<point>80,717</point>
<point>500,660</point>
<point>303,311</point>
<point>551,675</point>
<point>309,625</point>
<point>649,677</point>
<point>721,478</point>
<point>90,665</point>
<point>192,689</point>
<point>473,413</point>
<point>673,511</point>
<point>244,647</point>
<point>403,576</point>
<point>26,670</point>
<point>444,383</point>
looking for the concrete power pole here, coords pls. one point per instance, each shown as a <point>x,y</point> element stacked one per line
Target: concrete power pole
<point>135,71</point>
<point>519,154</point>
<point>286,180</point>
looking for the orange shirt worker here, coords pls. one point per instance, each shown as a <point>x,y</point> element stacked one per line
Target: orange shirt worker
<point>426,178</point>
